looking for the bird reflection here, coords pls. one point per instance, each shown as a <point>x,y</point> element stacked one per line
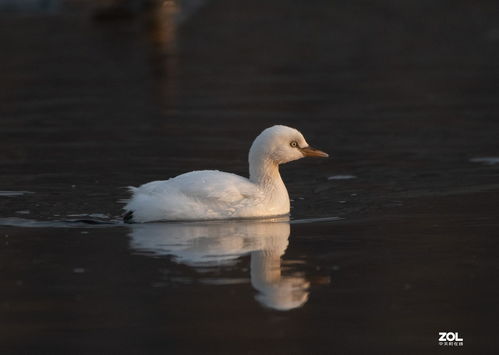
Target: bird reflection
<point>221,244</point>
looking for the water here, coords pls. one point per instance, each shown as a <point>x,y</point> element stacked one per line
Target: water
<point>29,6</point>
<point>341,177</point>
<point>486,160</point>
<point>379,263</point>
<point>127,287</point>
<point>13,193</point>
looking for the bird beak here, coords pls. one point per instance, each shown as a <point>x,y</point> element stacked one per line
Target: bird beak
<point>312,152</point>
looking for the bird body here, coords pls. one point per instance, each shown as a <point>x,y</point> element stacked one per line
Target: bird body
<point>212,194</point>
<point>204,195</point>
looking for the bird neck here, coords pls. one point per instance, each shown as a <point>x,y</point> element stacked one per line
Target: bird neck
<point>265,172</point>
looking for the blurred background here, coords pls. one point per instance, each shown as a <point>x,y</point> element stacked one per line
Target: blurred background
<point>404,95</point>
<point>104,94</point>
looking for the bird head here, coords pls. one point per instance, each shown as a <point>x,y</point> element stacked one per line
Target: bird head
<point>282,144</point>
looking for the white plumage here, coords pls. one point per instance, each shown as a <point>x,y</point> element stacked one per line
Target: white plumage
<point>212,194</point>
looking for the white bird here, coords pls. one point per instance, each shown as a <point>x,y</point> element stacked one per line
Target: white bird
<point>214,195</point>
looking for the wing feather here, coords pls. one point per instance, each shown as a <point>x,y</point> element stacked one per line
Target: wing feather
<point>207,194</point>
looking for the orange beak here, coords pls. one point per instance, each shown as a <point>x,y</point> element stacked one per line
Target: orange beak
<point>312,152</point>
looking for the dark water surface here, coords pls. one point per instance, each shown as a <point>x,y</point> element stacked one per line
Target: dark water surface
<point>405,98</point>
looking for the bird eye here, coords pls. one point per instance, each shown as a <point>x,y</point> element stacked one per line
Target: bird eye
<point>293,144</point>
